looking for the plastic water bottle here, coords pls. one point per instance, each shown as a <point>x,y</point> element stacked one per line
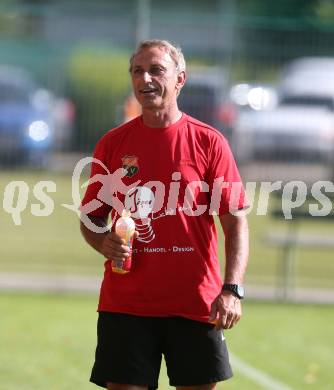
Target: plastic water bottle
<point>125,228</point>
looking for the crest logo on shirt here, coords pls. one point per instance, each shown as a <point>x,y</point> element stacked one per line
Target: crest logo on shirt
<point>130,165</point>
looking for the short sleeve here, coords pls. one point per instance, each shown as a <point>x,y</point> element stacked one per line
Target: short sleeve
<point>226,187</point>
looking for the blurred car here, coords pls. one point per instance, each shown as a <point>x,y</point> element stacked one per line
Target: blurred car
<point>32,120</point>
<point>205,96</point>
<point>312,68</point>
<point>301,126</point>
<point>254,96</point>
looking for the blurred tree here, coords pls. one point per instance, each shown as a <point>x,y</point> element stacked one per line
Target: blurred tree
<point>284,8</point>
<point>273,32</point>
<point>98,84</point>
<point>324,12</point>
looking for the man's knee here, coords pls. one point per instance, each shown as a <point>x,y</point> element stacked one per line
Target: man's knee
<point>210,386</point>
<point>117,386</point>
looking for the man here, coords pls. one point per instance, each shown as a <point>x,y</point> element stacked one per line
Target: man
<point>177,172</point>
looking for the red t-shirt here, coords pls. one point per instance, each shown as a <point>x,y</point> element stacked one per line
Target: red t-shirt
<point>175,268</point>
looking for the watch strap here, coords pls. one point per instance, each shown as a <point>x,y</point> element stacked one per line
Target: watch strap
<point>235,289</point>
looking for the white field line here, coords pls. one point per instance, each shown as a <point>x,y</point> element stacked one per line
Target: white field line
<point>260,377</point>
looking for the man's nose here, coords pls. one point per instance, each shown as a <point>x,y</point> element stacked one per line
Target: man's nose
<point>147,77</point>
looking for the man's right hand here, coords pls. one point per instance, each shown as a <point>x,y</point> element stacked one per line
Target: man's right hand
<point>110,245</point>
<point>114,247</point>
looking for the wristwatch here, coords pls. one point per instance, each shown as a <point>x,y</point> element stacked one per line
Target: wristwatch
<point>236,289</point>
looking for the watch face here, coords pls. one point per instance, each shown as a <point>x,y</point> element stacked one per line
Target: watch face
<point>236,289</point>
<point>241,291</point>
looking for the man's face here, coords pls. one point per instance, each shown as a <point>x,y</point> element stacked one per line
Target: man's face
<point>155,79</point>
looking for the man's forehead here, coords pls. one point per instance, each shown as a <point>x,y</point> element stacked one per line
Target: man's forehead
<point>152,55</point>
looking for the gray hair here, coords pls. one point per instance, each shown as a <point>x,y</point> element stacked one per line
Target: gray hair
<point>174,51</point>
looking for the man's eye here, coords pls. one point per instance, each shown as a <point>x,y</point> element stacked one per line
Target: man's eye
<point>157,71</point>
<point>137,71</point>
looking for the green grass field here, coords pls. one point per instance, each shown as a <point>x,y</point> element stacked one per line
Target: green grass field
<point>53,244</point>
<point>48,342</point>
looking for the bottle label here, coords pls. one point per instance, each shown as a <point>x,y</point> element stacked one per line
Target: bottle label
<point>123,267</point>
<point>125,227</point>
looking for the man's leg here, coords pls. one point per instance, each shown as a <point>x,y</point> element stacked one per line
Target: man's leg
<point>117,386</point>
<point>195,354</point>
<point>210,386</point>
<point>126,359</point>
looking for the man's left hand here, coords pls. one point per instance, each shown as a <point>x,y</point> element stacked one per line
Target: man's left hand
<point>227,307</point>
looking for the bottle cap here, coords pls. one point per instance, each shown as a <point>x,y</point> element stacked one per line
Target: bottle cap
<point>126,213</point>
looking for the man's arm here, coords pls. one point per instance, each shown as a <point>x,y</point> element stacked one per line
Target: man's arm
<point>110,245</point>
<point>227,305</point>
<point>235,229</point>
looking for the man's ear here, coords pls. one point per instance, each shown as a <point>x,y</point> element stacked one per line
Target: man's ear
<point>181,79</point>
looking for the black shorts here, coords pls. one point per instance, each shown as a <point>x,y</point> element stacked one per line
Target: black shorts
<point>130,348</point>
